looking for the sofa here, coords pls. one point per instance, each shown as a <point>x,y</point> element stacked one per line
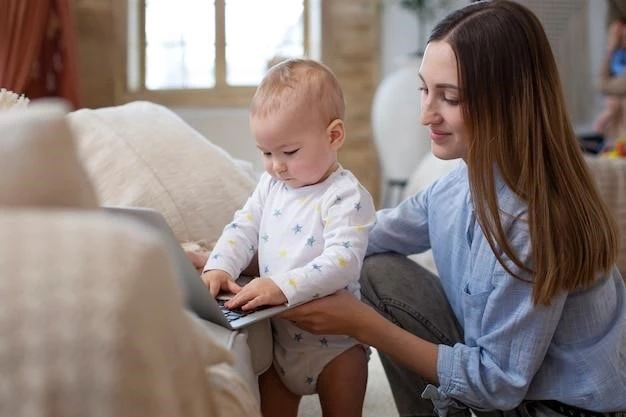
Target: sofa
<point>91,315</point>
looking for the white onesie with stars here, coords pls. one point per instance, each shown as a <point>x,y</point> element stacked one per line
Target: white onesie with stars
<point>311,242</point>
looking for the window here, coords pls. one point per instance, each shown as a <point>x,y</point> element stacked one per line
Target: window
<point>212,52</point>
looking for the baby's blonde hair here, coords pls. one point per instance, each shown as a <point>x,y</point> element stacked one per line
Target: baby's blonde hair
<point>299,84</point>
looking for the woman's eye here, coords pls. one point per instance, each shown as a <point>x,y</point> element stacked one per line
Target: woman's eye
<point>452,101</point>
<point>292,152</point>
<point>267,154</point>
<point>423,90</point>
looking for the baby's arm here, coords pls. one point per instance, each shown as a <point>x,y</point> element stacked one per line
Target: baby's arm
<point>347,214</point>
<point>237,245</point>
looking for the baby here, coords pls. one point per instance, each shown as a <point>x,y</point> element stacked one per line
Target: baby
<point>308,219</point>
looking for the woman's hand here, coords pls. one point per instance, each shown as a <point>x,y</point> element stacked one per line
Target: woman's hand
<point>338,313</point>
<point>343,313</point>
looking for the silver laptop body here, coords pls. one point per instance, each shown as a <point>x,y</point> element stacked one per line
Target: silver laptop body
<point>197,297</point>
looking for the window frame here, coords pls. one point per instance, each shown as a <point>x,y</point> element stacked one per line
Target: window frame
<point>130,79</point>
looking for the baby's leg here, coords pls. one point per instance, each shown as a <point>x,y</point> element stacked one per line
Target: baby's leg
<point>341,385</point>
<point>276,399</point>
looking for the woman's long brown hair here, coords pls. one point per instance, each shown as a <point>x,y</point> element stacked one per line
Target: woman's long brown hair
<point>518,127</point>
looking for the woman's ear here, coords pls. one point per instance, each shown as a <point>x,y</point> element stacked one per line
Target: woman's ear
<point>336,133</point>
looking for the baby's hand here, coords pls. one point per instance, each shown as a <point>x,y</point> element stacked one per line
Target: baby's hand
<point>217,280</point>
<point>259,292</point>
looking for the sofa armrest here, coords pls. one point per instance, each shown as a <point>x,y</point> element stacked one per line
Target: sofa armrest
<point>252,348</point>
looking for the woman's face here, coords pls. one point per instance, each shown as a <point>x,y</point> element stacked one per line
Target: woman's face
<point>441,110</point>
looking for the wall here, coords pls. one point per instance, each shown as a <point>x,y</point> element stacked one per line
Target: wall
<point>228,127</point>
<point>597,41</point>
<point>399,37</point>
<point>399,33</point>
<point>351,45</point>
<point>96,47</point>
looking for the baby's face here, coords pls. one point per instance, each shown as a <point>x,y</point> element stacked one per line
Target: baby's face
<point>297,149</point>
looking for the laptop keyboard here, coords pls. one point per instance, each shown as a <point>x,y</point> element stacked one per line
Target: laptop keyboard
<point>232,315</point>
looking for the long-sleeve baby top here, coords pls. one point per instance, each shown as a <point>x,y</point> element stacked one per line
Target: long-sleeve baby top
<point>311,240</point>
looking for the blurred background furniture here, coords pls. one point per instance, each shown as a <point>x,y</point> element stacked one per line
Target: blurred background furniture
<point>91,314</point>
<point>401,140</point>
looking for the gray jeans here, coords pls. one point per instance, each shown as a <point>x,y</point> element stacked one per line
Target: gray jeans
<point>413,298</point>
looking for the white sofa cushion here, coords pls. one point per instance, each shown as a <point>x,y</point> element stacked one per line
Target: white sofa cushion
<point>92,324</point>
<point>142,154</point>
<point>91,317</point>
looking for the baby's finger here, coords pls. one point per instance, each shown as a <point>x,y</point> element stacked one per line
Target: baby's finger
<point>233,287</point>
<point>252,304</point>
<point>214,287</point>
<point>238,300</point>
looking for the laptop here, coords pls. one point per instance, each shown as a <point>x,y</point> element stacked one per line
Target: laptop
<point>197,297</point>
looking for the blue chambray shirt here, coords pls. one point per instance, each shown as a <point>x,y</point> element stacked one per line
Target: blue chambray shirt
<point>573,350</point>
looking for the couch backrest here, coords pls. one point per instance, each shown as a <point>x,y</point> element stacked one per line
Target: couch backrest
<point>142,154</point>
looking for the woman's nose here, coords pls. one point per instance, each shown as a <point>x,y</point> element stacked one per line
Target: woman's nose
<point>429,115</point>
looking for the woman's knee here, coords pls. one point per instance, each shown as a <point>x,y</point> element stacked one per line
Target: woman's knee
<point>388,275</point>
<point>410,296</point>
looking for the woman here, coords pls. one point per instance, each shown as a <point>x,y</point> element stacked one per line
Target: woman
<point>529,311</point>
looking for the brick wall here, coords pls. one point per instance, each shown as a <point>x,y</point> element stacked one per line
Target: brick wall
<point>96,47</point>
<point>351,48</point>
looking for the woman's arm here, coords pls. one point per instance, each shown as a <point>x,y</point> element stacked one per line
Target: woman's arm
<point>608,84</point>
<point>402,229</point>
<point>342,313</point>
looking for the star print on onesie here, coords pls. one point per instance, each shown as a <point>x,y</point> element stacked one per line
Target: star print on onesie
<point>311,242</point>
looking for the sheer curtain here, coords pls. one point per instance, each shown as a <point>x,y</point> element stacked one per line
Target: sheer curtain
<point>38,49</point>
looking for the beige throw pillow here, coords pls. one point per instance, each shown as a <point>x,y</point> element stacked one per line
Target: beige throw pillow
<point>142,154</point>
<point>38,161</point>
